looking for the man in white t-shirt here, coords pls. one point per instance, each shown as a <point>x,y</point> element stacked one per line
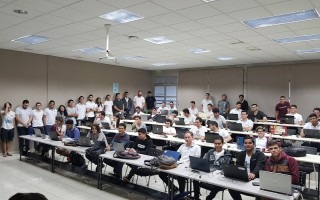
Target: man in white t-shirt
<point>37,118</point>
<point>163,107</point>
<point>139,100</point>
<point>209,111</point>
<point>81,110</point>
<point>218,118</point>
<point>24,118</point>
<point>108,104</point>
<point>72,111</point>
<point>7,128</point>
<point>102,118</point>
<point>193,110</point>
<point>247,124</point>
<point>205,102</point>
<point>138,112</point>
<point>91,108</point>
<point>293,112</point>
<point>213,125</point>
<point>198,130</point>
<point>237,110</point>
<point>312,124</point>
<point>168,129</point>
<point>188,118</point>
<point>49,116</point>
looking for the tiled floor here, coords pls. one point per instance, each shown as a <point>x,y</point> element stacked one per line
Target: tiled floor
<point>31,176</point>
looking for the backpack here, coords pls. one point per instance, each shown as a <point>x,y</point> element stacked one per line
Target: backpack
<point>126,155</point>
<point>295,151</point>
<point>77,159</point>
<point>162,162</point>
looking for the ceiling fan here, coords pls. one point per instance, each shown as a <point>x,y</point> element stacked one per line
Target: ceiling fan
<point>108,55</point>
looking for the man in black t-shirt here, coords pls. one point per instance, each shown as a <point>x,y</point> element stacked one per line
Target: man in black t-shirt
<point>256,115</point>
<point>244,103</point>
<point>118,106</point>
<point>151,102</point>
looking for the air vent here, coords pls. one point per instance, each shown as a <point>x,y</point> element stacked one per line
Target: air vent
<point>253,49</point>
<point>237,42</point>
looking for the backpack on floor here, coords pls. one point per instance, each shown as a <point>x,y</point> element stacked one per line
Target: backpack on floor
<point>77,159</point>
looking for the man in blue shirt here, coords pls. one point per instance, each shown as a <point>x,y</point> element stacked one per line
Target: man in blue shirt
<point>72,132</point>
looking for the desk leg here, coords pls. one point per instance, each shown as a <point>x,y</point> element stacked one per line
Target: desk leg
<point>99,173</point>
<point>52,158</point>
<point>318,196</point>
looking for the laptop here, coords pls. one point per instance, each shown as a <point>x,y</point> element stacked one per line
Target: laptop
<point>84,142</point>
<point>174,154</point>
<point>157,129</point>
<point>235,126</point>
<point>161,119</point>
<point>288,119</point>
<point>210,136</point>
<point>275,182</point>
<point>53,135</point>
<point>312,133</point>
<point>200,164</point>
<point>180,132</point>
<point>105,125</point>
<point>37,132</point>
<point>233,116</point>
<point>144,117</point>
<point>235,172</point>
<point>118,147</point>
<point>180,121</point>
<point>164,112</point>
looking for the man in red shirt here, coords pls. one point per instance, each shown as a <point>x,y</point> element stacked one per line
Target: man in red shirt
<point>282,108</point>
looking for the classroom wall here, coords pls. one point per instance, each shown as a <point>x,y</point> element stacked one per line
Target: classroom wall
<point>42,78</point>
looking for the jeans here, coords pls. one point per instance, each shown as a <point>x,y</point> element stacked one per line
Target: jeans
<point>24,131</point>
<point>181,181</point>
<point>47,129</point>
<point>117,166</point>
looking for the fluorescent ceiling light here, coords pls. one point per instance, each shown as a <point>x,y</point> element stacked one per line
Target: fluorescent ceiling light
<point>304,51</point>
<point>121,16</point>
<point>283,19</point>
<point>164,64</point>
<point>298,38</point>
<point>208,1</point>
<point>159,40</point>
<point>199,50</point>
<point>134,58</point>
<point>31,39</point>
<point>91,50</point>
<point>225,58</point>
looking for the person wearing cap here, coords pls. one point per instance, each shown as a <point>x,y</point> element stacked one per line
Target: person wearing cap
<point>218,118</point>
<point>150,102</point>
<point>172,107</point>
<point>142,145</point>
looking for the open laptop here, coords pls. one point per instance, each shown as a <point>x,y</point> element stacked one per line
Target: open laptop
<point>144,117</point>
<point>157,129</point>
<point>37,132</point>
<point>275,182</point>
<point>210,136</point>
<point>164,112</point>
<point>180,121</point>
<point>84,142</point>
<point>200,164</point>
<point>235,126</point>
<point>233,116</point>
<point>105,125</point>
<point>174,154</point>
<point>118,147</point>
<point>288,119</point>
<point>180,132</point>
<point>235,172</point>
<point>53,135</point>
<point>311,133</point>
<point>161,119</point>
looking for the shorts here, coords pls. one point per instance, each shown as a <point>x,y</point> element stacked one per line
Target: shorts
<point>6,135</point>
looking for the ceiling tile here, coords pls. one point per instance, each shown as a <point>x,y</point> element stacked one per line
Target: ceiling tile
<point>188,26</point>
<point>169,19</point>
<point>288,7</point>
<point>40,5</point>
<point>238,26</point>
<point>217,20</point>
<point>54,20</point>
<point>198,12</point>
<point>248,14</point>
<point>147,9</point>
<point>95,8</point>
<point>72,14</point>
<point>177,4</point>
<point>122,3</point>
<point>204,32</point>
<point>227,6</point>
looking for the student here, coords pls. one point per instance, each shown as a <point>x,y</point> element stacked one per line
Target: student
<point>154,115</point>
<point>282,108</point>
<point>139,100</point>
<point>118,107</point>
<point>24,118</point>
<point>253,160</point>
<point>7,128</point>
<point>193,110</point>
<point>205,102</point>
<point>224,105</point>
<point>209,112</point>
<point>142,145</point>
<point>102,118</point>
<point>256,115</point>
<point>37,116</point>
<point>237,110</point>
<point>188,118</point>
<point>247,124</point>
<point>59,127</point>
<point>91,108</point>
<point>216,157</point>
<point>297,117</point>
<point>221,121</point>
<point>71,131</point>
<point>81,110</point>
<point>213,125</point>
<point>49,116</point>
<point>186,150</point>
<point>244,103</point>
<point>62,112</point>
<point>138,112</point>
<point>280,162</point>
<point>138,124</point>
<point>313,124</point>
<point>173,115</point>
<point>108,106</point>
<point>99,104</point>
<point>163,107</point>
<point>150,102</point>
<point>198,130</point>
<point>72,111</point>
<point>128,104</point>
<point>168,129</point>
<point>261,140</point>
<point>172,107</point>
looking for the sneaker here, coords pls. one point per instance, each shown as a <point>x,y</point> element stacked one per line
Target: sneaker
<point>126,179</point>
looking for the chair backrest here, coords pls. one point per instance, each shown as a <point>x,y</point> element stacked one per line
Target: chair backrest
<point>310,150</point>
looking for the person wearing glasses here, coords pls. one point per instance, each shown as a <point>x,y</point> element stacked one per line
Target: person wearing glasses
<point>261,140</point>
<point>198,130</point>
<point>256,115</point>
<point>7,128</point>
<point>168,129</point>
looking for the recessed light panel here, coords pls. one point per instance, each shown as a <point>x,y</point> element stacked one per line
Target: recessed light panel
<point>225,58</point>
<point>199,50</point>
<point>164,64</point>
<point>31,39</point>
<point>304,51</point>
<point>283,19</point>
<point>208,1</point>
<point>159,40</point>
<point>121,16</point>
<point>298,38</point>
<point>134,58</point>
<point>91,50</point>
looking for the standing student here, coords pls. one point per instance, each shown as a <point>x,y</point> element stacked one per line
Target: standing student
<point>99,104</point>
<point>118,107</point>
<point>224,105</point>
<point>150,102</point>
<point>108,106</point>
<point>282,108</point>
<point>139,100</point>
<point>24,118</point>
<point>7,128</point>
<point>62,112</point>
<point>81,110</point>
<point>128,104</point>
<point>244,103</point>
<point>37,116</point>
<point>72,111</point>
<point>205,102</point>
<point>193,110</point>
<point>91,108</point>
<point>49,116</point>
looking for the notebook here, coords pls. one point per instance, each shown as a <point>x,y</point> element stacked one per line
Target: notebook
<point>275,182</point>
<point>235,172</point>
<point>200,164</point>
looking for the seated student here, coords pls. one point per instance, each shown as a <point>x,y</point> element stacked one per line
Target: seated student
<point>247,124</point>
<point>142,145</point>
<point>280,162</point>
<point>96,135</point>
<point>137,124</point>
<point>188,118</point>
<point>72,132</point>
<point>315,111</point>
<point>120,137</point>
<point>261,140</point>
<point>59,127</point>
<point>193,110</point>
<point>186,150</point>
<point>168,129</point>
<point>213,125</point>
<point>217,157</point>
<point>162,107</point>
<point>138,112</point>
<point>253,160</point>
<point>209,111</point>
<point>313,124</point>
<point>218,118</point>
<point>102,118</point>
<point>173,115</point>
<point>256,115</point>
<point>293,112</point>
<point>154,115</point>
<point>237,110</point>
<point>172,107</point>
<point>198,130</point>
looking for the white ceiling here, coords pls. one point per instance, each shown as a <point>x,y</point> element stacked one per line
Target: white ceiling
<point>74,24</point>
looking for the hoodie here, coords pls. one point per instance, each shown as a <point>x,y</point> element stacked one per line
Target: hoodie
<point>286,165</point>
<point>217,164</point>
<point>257,161</point>
<point>143,146</point>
